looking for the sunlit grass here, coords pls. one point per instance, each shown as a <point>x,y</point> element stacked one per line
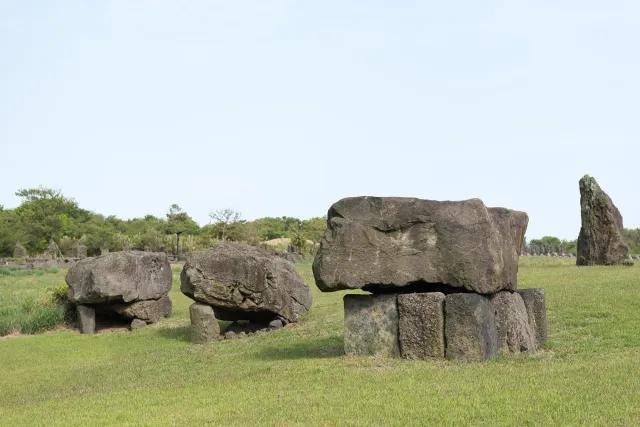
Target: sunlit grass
<point>589,374</point>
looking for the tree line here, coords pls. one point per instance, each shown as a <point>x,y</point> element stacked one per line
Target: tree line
<point>47,216</point>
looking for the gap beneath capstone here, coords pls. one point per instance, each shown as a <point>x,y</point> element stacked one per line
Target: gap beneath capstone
<point>414,287</point>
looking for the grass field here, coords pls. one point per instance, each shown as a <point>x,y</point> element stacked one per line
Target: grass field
<point>589,373</point>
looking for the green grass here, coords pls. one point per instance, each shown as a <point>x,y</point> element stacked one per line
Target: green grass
<point>588,375</point>
<point>22,308</point>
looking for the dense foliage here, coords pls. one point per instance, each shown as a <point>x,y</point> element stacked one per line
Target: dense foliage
<point>45,215</point>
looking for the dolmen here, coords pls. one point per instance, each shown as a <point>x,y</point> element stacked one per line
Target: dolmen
<point>128,286</point>
<point>256,290</point>
<point>441,278</point>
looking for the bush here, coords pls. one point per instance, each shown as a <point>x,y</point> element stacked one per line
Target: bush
<point>54,295</point>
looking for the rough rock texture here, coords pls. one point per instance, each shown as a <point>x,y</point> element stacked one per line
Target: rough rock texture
<point>379,243</point>
<point>371,325</point>
<point>514,332</point>
<point>534,301</point>
<point>150,311</point>
<point>119,276</point>
<point>19,251</point>
<point>137,324</point>
<point>421,325</point>
<point>204,325</point>
<point>86,319</point>
<point>243,282</point>
<point>600,241</point>
<point>470,327</point>
<point>80,251</point>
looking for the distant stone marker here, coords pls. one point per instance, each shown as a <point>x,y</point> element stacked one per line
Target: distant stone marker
<point>600,241</point>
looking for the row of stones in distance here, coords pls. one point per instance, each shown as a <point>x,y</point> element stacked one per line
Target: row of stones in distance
<point>460,326</point>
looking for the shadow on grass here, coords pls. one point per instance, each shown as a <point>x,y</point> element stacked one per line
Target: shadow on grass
<point>179,333</point>
<point>319,348</point>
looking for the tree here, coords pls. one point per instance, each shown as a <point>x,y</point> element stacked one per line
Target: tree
<point>46,213</point>
<point>178,223</point>
<point>223,219</point>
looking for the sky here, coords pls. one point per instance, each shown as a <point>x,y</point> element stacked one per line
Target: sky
<point>280,107</point>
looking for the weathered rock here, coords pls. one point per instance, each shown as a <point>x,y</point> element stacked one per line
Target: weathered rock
<point>80,251</point>
<point>229,335</point>
<point>276,324</point>
<point>421,325</point>
<point>137,324</point>
<point>600,241</point>
<point>119,276</point>
<point>383,243</point>
<point>204,325</point>
<point>243,282</point>
<point>150,311</point>
<point>86,319</point>
<point>534,301</point>
<point>512,320</point>
<point>19,251</point>
<point>371,325</point>
<point>470,327</point>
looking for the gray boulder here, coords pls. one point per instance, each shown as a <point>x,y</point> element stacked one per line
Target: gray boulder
<point>378,243</point>
<point>243,282</point>
<point>137,324</point>
<point>150,311</point>
<point>600,241</point>
<point>470,327</point>
<point>512,320</point>
<point>371,325</point>
<point>534,301</point>
<point>204,325</point>
<point>119,276</point>
<point>421,325</point>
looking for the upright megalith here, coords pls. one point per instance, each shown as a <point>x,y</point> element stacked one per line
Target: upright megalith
<point>80,251</point>
<point>442,278</point>
<point>384,243</point>
<point>371,325</point>
<point>241,282</point>
<point>128,285</point>
<point>205,326</point>
<point>601,241</point>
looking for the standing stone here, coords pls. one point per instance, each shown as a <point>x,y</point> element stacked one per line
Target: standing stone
<point>421,325</point>
<point>534,301</point>
<point>470,327</point>
<point>204,325</point>
<point>19,251</point>
<point>80,251</point>
<point>371,325</point>
<point>86,319</point>
<point>600,241</point>
<point>383,243</point>
<point>512,320</point>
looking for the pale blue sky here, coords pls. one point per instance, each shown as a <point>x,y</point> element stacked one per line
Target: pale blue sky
<point>283,107</point>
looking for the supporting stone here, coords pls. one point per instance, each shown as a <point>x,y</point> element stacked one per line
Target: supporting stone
<point>86,319</point>
<point>421,325</point>
<point>204,325</point>
<point>514,331</point>
<point>534,301</point>
<point>137,324</point>
<point>470,327</point>
<point>371,325</point>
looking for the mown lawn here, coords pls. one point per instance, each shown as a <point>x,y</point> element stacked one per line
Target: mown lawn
<point>588,375</point>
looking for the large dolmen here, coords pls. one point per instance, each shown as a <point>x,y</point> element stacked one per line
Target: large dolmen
<point>236,282</point>
<point>120,286</point>
<point>442,278</point>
